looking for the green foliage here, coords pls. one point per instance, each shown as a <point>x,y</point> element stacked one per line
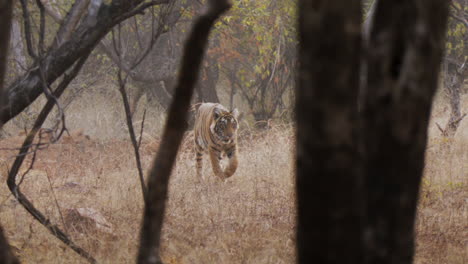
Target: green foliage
<point>254,44</point>
<point>457,37</point>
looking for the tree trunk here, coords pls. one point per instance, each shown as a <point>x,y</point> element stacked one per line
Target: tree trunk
<point>207,80</point>
<point>6,257</point>
<point>358,173</point>
<point>6,9</point>
<point>404,52</point>
<point>328,181</point>
<point>454,79</point>
<point>18,47</point>
<point>84,38</point>
<point>158,178</point>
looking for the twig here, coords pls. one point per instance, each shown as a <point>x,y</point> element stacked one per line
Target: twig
<point>141,129</point>
<point>173,133</point>
<point>122,82</point>
<point>56,201</point>
<point>462,20</point>
<point>128,117</point>
<point>441,129</point>
<point>14,188</point>
<point>458,120</point>
<point>142,7</point>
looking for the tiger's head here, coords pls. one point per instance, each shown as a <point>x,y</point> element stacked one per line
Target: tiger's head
<point>224,125</point>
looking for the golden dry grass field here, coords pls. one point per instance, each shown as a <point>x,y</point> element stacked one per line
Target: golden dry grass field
<point>246,219</point>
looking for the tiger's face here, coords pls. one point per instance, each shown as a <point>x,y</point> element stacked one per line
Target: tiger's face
<point>224,126</point>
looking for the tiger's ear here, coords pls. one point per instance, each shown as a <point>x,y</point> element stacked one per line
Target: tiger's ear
<point>216,113</point>
<point>235,113</point>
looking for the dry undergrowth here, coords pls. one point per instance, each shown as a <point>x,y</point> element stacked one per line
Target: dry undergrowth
<point>247,219</point>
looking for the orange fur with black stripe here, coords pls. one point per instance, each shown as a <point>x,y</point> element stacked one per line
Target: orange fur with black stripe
<point>216,134</point>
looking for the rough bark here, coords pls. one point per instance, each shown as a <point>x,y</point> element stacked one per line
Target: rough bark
<point>70,22</point>
<point>206,85</point>
<point>6,257</point>
<point>173,133</point>
<point>6,10</point>
<point>328,181</point>
<point>453,80</point>
<point>404,53</point>
<point>56,61</point>
<point>17,47</point>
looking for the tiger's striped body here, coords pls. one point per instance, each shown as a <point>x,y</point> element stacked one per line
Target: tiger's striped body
<point>216,133</point>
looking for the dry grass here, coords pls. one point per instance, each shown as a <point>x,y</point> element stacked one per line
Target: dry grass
<point>247,219</point>
<point>442,226</point>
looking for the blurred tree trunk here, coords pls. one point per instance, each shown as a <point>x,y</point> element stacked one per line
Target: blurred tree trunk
<point>6,10</point>
<point>6,257</point>
<point>158,178</point>
<point>329,182</point>
<point>358,178</point>
<point>404,50</point>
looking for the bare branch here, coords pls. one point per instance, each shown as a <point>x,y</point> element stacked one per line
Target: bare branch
<point>50,10</point>
<point>27,28</point>
<point>441,129</point>
<point>172,136</point>
<point>142,128</point>
<point>463,20</point>
<point>70,22</point>
<point>144,6</point>
<point>128,117</point>
<point>14,188</point>
<point>41,28</point>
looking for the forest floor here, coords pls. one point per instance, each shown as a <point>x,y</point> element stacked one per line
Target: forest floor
<point>249,218</point>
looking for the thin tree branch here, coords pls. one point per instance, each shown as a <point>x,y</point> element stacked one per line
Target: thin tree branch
<point>174,130</point>
<point>27,29</point>
<point>142,7</point>
<point>442,131</point>
<point>128,116</point>
<point>42,27</point>
<point>70,22</point>
<point>142,128</point>
<point>50,10</point>
<point>463,20</point>
<point>56,202</point>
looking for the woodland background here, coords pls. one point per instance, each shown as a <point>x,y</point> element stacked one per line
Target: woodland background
<point>251,64</point>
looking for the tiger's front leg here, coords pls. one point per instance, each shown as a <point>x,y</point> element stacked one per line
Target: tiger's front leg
<point>215,157</point>
<point>233,162</point>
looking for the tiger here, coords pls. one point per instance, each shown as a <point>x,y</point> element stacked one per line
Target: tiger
<point>215,132</point>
